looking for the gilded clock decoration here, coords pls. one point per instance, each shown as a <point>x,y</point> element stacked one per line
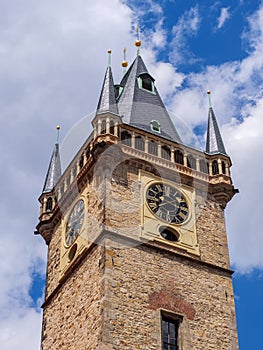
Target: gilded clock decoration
<point>167,203</point>
<point>74,223</point>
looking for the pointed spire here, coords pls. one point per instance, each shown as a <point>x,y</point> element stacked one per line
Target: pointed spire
<point>214,141</point>
<point>54,169</point>
<point>140,104</point>
<point>107,101</point>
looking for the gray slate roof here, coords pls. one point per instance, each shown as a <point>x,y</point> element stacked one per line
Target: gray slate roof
<point>107,101</point>
<point>138,107</point>
<point>214,141</point>
<point>54,171</point>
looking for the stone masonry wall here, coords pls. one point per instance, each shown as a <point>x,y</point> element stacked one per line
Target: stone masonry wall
<point>142,281</point>
<point>72,320</point>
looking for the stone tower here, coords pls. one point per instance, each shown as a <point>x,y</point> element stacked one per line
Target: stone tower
<point>137,246</point>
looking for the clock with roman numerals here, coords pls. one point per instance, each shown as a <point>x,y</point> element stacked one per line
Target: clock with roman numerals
<point>74,222</point>
<point>167,203</point>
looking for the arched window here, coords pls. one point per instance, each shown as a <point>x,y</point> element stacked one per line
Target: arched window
<point>178,157</point>
<point>203,166</point>
<point>68,181</point>
<point>153,148</point>
<point>215,169</point>
<point>88,153</point>
<point>191,162</point>
<point>139,143</point>
<point>166,152</point>
<point>126,138</point>
<point>49,204</point>
<point>103,127</point>
<point>223,167</point>
<point>112,127</point>
<point>81,162</point>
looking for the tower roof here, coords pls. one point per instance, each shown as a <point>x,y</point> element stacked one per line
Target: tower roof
<point>140,104</point>
<point>214,141</point>
<point>107,101</point>
<point>54,169</point>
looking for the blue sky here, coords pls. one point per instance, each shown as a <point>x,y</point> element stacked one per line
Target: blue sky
<point>53,57</point>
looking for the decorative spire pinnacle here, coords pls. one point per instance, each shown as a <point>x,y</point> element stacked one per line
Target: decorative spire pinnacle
<point>54,169</point>
<point>107,101</point>
<point>109,58</point>
<point>214,141</point>
<point>57,138</point>
<point>124,62</point>
<point>209,98</point>
<point>138,42</point>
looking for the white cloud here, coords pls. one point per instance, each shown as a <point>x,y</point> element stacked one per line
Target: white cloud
<point>223,17</point>
<point>187,26</point>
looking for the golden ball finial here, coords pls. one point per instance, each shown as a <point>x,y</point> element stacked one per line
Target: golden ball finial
<point>208,92</point>
<point>138,43</point>
<point>124,64</point>
<point>109,51</point>
<point>58,127</point>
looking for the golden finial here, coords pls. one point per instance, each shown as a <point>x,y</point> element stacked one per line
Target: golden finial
<point>138,42</point>
<point>208,92</point>
<point>124,62</point>
<point>58,128</point>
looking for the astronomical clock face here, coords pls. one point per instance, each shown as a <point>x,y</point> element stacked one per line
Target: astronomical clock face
<point>74,223</point>
<point>167,203</point>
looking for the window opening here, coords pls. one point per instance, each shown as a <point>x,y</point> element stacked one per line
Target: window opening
<point>153,148</point>
<point>203,166</point>
<point>223,167</point>
<point>166,152</point>
<point>103,127</point>
<point>178,157</point>
<point>155,126</point>
<point>191,162</point>
<point>49,204</point>
<point>170,329</point>
<point>126,138</point>
<point>139,143</point>
<point>112,127</point>
<point>215,169</point>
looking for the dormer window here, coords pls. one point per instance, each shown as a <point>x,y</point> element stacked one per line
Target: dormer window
<point>155,126</point>
<point>118,91</point>
<point>146,82</point>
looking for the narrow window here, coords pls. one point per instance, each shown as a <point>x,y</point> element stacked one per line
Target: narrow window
<point>191,162</point>
<point>112,127</point>
<point>203,166</point>
<point>178,157</point>
<point>126,138</point>
<point>223,167</point>
<point>139,143</point>
<point>153,148</point>
<point>215,169</point>
<point>166,153</point>
<point>170,328</point>
<point>103,127</point>
<point>49,204</point>
<point>81,161</point>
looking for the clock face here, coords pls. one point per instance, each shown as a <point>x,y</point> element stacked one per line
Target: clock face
<point>167,203</point>
<point>75,222</point>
